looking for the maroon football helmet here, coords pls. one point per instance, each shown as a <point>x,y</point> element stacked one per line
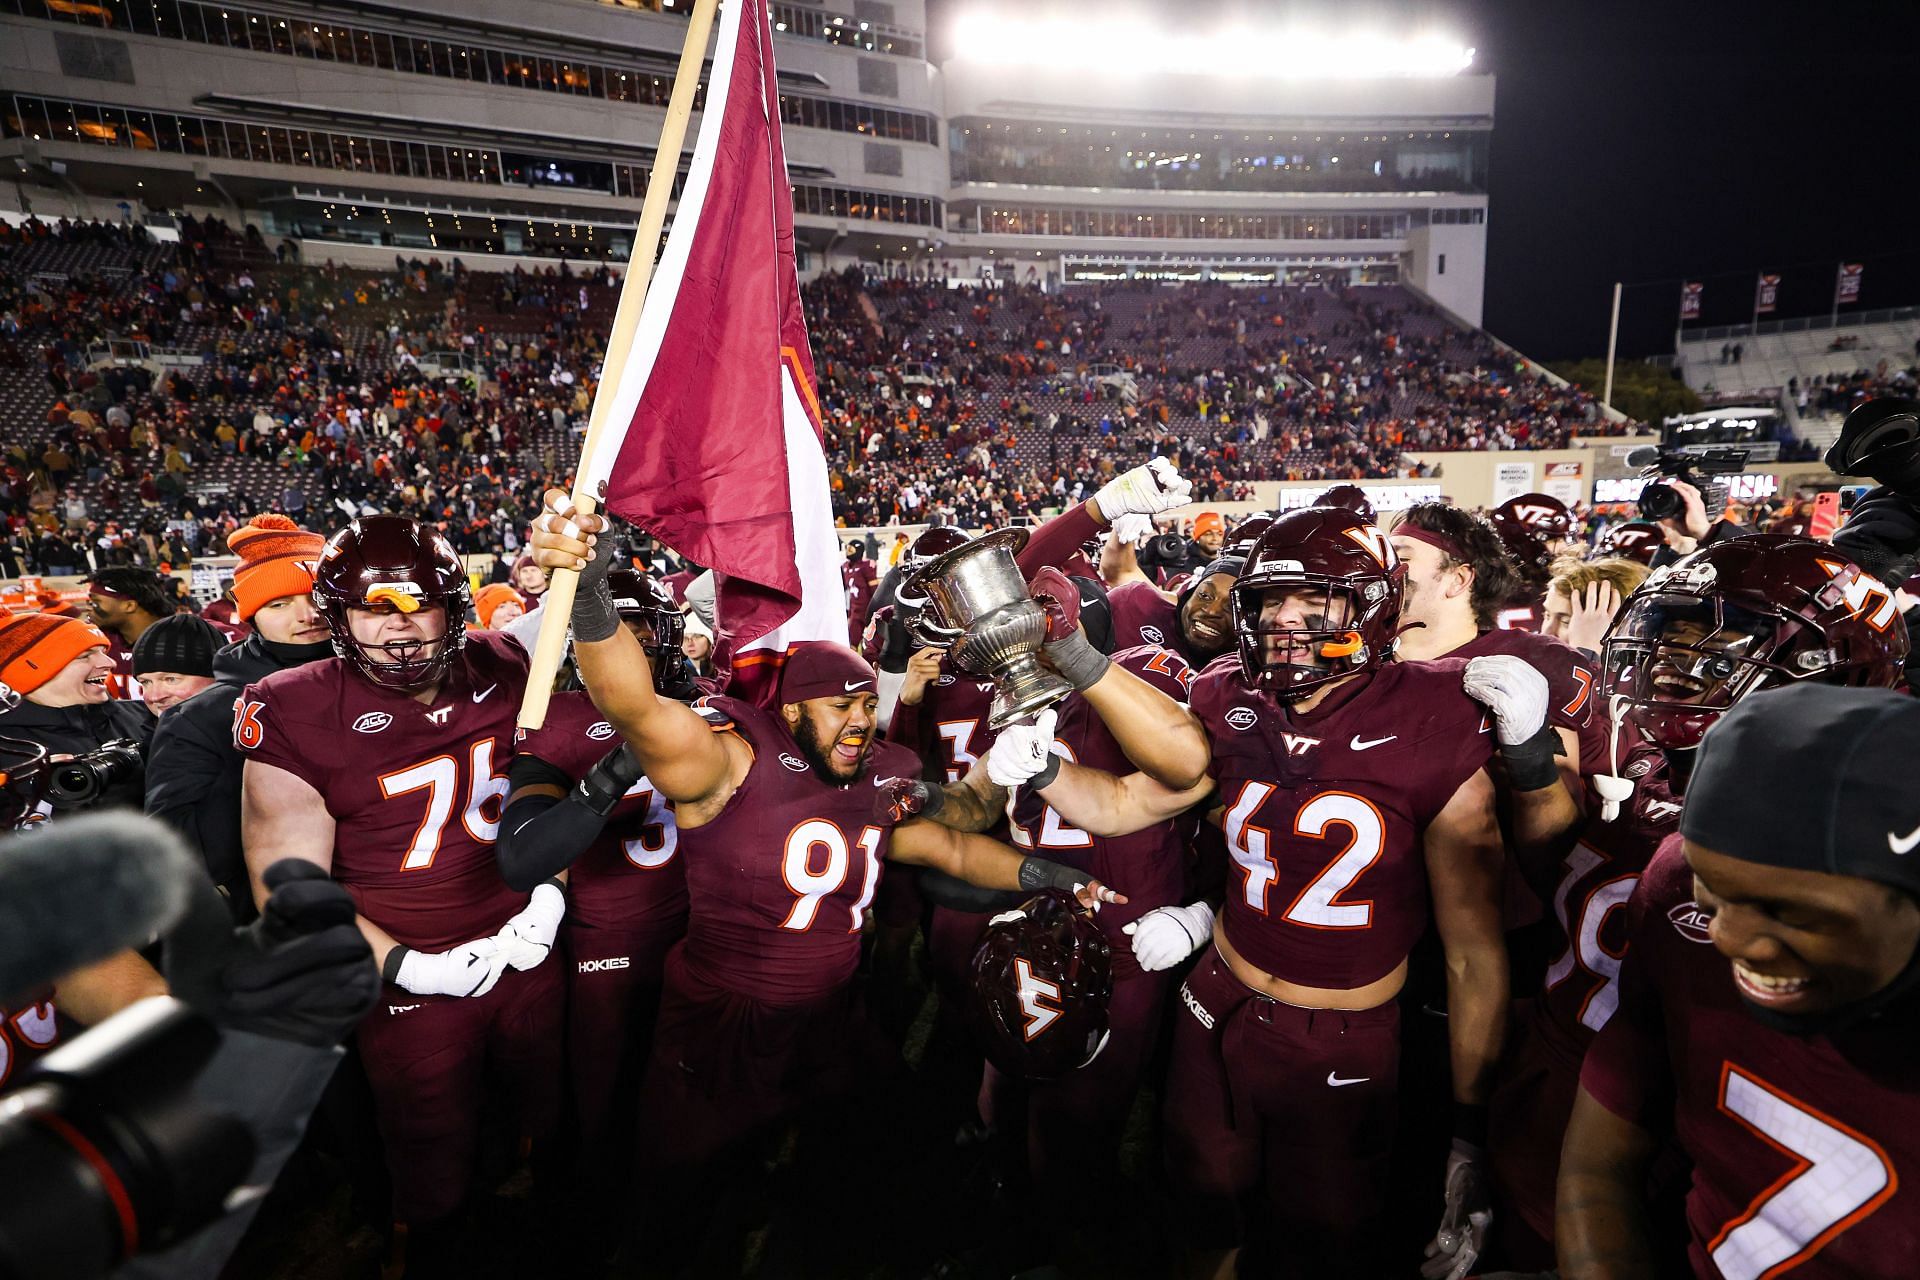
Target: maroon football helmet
<point>1740,616</point>
<point>388,563</point>
<point>1323,550</point>
<point>1529,525</point>
<point>1350,496</point>
<point>1240,543</point>
<point>1635,540</point>
<point>24,774</point>
<point>640,597</point>
<point>1040,980</point>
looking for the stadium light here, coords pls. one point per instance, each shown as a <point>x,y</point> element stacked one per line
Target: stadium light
<point>1130,46</point>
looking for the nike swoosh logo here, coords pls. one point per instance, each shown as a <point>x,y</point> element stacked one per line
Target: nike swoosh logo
<point>881,782</point>
<point>855,684</point>
<point>482,697</point>
<point>1335,1081</point>
<point>1903,844</point>
<point>1363,744</point>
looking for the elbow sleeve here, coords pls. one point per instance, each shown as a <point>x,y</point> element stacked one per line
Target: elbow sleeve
<point>540,836</point>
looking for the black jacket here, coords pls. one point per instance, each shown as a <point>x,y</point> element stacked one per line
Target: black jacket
<point>78,730</point>
<point>193,770</point>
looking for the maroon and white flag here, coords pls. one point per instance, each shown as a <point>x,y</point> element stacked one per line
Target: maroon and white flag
<point>1690,299</point>
<point>1766,294</point>
<point>1846,285</point>
<point>719,451</point>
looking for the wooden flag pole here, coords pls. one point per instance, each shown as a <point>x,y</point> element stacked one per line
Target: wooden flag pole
<point>558,604</point>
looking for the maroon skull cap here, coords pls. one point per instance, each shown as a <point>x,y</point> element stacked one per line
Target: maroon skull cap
<point>823,669</point>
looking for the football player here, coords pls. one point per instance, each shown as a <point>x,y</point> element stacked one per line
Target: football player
<point>1783,1067</point>
<point>1537,529</point>
<point>382,764</point>
<point>580,805</point>
<point>785,818</point>
<point>1458,577</point>
<point>1074,1123</point>
<point>1350,789</point>
<point>1735,619</point>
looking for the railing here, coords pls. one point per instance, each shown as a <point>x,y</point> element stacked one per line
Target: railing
<point>1801,324</point>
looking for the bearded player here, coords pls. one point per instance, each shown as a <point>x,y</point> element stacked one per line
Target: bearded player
<point>381,765</point>
<point>1738,618</point>
<point>786,818</point>
<point>1350,789</point>
<point>1782,1066</point>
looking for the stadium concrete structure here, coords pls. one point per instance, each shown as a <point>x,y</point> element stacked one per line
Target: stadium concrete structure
<point>527,130</point>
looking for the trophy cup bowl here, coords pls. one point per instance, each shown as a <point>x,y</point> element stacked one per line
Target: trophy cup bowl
<point>980,593</point>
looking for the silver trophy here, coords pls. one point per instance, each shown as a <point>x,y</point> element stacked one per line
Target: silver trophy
<point>978,604</point>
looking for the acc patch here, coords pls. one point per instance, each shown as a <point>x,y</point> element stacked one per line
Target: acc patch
<point>793,762</point>
<point>1242,718</point>
<point>600,731</point>
<point>1639,768</point>
<point>1153,634</point>
<point>372,722</point>
<point>943,681</point>
<point>1691,921</point>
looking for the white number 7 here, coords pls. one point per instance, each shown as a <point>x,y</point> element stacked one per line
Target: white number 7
<point>1842,1176</point>
<point>441,778</point>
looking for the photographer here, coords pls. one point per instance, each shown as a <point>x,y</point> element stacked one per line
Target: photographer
<point>60,668</point>
<point>1692,528</point>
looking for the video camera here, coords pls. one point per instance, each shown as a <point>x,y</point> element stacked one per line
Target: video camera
<point>1169,551</point>
<point>76,783</point>
<point>1702,468</point>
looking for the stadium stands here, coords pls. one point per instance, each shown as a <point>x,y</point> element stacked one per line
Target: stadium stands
<point>148,383</point>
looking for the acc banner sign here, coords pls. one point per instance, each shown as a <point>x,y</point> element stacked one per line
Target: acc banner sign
<point>1846,286</point>
<point>1690,299</point>
<point>1766,294</point>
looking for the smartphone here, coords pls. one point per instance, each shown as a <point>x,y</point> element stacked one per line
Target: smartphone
<point>1852,493</point>
<point>1827,514</point>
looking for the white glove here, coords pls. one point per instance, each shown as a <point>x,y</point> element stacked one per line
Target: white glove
<point>1144,491</point>
<point>1510,688</point>
<point>1468,1218</point>
<point>1165,936</point>
<point>469,969</point>
<point>1132,529</point>
<point>528,937</point>
<point>1021,751</point>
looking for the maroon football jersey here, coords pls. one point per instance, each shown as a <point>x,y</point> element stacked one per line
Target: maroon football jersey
<point>630,875</point>
<point>778,883</point>
<point>1797,1142</point>
<point>1526,610</point>
<point>415,790</point>
<point>1570,686</point>
<point>949,724</point>
<point>1141,615</point>
<point>1326,813</point>
<point>1597,877</point>
<point>27,1031</point>
<point>857,576</point>
<point>1148,866</point>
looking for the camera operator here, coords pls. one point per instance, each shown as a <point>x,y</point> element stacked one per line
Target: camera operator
<point>193,773</point>
<point>1169,556</point>
<point>60,667</point>
<point>1692,528</point>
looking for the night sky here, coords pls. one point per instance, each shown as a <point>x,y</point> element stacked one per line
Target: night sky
<point>1650,143</point>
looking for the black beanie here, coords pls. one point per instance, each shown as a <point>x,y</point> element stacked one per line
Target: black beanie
<point>182,644</point>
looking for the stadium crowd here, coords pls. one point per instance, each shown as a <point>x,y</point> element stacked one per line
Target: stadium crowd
<point>970,405</point>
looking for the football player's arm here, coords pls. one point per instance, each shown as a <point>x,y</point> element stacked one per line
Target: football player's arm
<point>282,816</point>
<point>550,819</point>
<point>1464,856</point>
<point>1101,804</point>
<point>988,863</point>
<point>1600,1212</point>
<point>675,747</point>
<point>1161,737</point>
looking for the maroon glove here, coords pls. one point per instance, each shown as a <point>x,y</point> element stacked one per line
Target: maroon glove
<point>898,799</point>
<point>1059,598</point>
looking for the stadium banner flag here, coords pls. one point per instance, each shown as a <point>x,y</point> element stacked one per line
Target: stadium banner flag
<point>719,451</point>
<point>1766,294</point>
<point>1690,300</point>
<point>1846,285</point>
